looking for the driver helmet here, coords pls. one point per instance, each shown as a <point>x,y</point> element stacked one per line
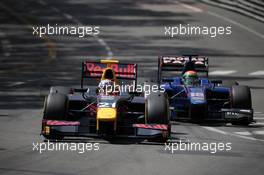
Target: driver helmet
<point>190,78</point>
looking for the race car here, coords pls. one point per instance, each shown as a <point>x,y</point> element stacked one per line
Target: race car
<point>95,111</point>
<point>193,96</point>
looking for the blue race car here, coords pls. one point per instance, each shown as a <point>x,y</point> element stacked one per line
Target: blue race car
<point>198,98</point>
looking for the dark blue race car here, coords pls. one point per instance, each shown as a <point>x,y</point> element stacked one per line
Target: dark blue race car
<point>199,98</point>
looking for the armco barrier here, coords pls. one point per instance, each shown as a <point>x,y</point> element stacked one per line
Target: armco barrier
<point>251,8</point>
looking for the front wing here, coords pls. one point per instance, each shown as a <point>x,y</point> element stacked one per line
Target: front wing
<point>221,115</point>
<point>233,114</point>
<point>74,128</point>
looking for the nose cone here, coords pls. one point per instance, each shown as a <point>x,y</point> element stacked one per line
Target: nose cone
<point>197,101</point>
<point>106,114</point>
<point>197,95</point>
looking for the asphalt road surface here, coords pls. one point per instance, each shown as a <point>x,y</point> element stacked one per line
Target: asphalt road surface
<point>130,30</point>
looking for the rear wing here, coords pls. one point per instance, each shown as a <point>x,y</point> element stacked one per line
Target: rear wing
<point>94,69</point>
<point>177,64</point>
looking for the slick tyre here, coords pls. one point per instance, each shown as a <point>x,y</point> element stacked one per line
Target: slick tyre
<point>157,108</point>
<point>241,98</point>
<point>56,107</point>
<point>157,112</point>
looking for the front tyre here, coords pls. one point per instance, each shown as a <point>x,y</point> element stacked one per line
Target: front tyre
<point>55,108</point>
<point>157,108</point>
<point>157,112</point>
<point>241,99</point>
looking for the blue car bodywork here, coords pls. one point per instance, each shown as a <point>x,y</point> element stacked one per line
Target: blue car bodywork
<point>206,100</point>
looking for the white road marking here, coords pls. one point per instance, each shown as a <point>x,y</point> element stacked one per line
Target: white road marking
<point>237,23</point>
<point>245,133</point>
<point>260,72</point>
<point>258,124</point>
<point>195,9</point>
<point>231,134</point>
<point>222,72</point>
<point>215,130</point>
<point>259,132</point>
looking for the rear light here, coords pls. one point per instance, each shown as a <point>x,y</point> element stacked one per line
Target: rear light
<point>46,130</point>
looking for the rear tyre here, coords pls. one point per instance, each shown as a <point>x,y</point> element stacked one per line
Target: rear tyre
<point>241,98</point>
<point>55,108</point>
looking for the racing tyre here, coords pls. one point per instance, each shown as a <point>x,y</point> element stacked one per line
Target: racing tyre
<point>157,108</point>
<point>60,89</point>
<point>241,98</point>
<point>56,106</point>
<point>157,112</point>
